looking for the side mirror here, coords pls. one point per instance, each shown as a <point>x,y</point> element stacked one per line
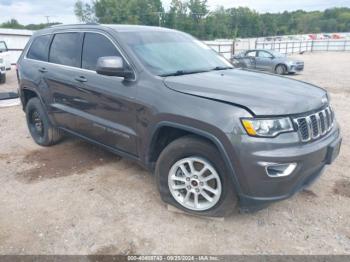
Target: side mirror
<point>112,66</point>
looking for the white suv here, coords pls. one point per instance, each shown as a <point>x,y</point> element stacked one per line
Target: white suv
<point>4,61</point>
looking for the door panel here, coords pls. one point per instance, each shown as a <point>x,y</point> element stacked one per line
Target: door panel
<point>250,59</point>
<point>106,111</point>
<point>263,60</point>
<point>64,60</point>
<point>98,107</point>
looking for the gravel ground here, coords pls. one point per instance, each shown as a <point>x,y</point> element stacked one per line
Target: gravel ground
<point>77,199</point>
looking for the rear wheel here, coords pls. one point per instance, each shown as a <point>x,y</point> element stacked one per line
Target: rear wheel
<point>40,128</point>
<point>281,69</point>
<point>192,176</point>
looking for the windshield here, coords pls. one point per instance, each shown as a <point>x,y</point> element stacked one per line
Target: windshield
<point>173,53</point>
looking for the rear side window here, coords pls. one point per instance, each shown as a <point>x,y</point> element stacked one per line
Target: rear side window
<point>264,54</point>
<point>40,48</point>
<point>66,49</point>
<point>96,46</point>
<point>251,54</point>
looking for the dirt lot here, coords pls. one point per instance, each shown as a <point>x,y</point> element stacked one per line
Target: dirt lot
<point>77,199</point>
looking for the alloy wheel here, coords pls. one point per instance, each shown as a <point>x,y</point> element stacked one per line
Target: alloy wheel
<point>195,184</point>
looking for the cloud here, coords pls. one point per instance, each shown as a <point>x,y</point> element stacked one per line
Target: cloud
<point>5,2</point>
<point>35,11</point>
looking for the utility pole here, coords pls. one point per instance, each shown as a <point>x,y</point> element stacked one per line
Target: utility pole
<point>47,19</point>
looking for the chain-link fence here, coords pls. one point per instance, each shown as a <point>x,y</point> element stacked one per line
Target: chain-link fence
<point>291,47</point>
<point>229,48</point>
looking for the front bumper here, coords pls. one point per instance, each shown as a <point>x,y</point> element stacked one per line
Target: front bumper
<point>258,189</point>
<point>295,68</point>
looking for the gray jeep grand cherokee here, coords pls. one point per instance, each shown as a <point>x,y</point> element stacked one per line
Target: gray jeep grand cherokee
<point>216,137</point>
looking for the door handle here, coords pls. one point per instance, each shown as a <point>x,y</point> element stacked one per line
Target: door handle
<point>81,79</point>
<point>42,70</point>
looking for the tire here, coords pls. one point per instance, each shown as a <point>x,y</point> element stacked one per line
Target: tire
<point>189,148</point>
<point>3,79</point>
<point>40,128</point>
<point>281,70</point>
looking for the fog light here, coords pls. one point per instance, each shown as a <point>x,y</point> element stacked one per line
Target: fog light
<point>279,170</point>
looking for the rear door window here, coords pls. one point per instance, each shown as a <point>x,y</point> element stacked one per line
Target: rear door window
<point>251,54</point>
<point>263,54</point>
<point>39,49</point>
<point>66,49</point>
<point>96,46</point>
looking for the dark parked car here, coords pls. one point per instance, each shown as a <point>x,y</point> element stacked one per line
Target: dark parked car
<point>267,60</point>
<point>216,137</point>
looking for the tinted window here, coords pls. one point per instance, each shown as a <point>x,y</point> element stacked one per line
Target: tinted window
<point>251,54</point>
<point>264,54</point>
<point>96,46</point>
<point>39,48</point>
<point>66,49</point>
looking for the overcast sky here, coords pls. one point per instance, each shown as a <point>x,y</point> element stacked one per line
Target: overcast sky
<point>34,11</point>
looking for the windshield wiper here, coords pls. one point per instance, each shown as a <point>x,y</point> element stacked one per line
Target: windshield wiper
<point>218,68</point>
<point>189,72</point>
<point>184,72</point>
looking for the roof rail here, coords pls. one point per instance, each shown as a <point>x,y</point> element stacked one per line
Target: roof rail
<point>90,23</point>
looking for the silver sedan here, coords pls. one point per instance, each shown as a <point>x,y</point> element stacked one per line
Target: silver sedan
<point>267,60</point>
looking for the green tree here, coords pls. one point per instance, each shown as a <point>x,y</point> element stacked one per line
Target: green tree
<point>85,12</point>
<point>193,16</point>
<point>13,24</point>
<point>198,10</point>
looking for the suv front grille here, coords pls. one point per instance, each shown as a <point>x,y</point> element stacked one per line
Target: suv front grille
<point>315,125</point>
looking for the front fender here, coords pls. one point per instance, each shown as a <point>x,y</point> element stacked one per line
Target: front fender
<point>217,140</point>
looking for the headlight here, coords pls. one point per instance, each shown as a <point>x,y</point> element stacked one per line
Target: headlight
<point>267,127</point>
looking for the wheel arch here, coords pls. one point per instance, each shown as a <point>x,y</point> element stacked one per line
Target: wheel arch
<point>183,130</point>
<point>281,64</point>
<point>27,94</point>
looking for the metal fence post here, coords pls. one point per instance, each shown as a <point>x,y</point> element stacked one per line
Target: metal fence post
<point>345,45</point>
<point>328,45</point>
<point>233,48</point>
<point>312,46</point>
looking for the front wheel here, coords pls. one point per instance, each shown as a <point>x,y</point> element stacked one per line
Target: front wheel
<point>281,70</point>
<point>192,176</point>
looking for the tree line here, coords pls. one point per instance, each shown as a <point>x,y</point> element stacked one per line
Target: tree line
<point>14,24</point>
<point>195,17</point>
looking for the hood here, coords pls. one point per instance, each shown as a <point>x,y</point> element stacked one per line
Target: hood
<point>288,59</point>
<point>262,94</point>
